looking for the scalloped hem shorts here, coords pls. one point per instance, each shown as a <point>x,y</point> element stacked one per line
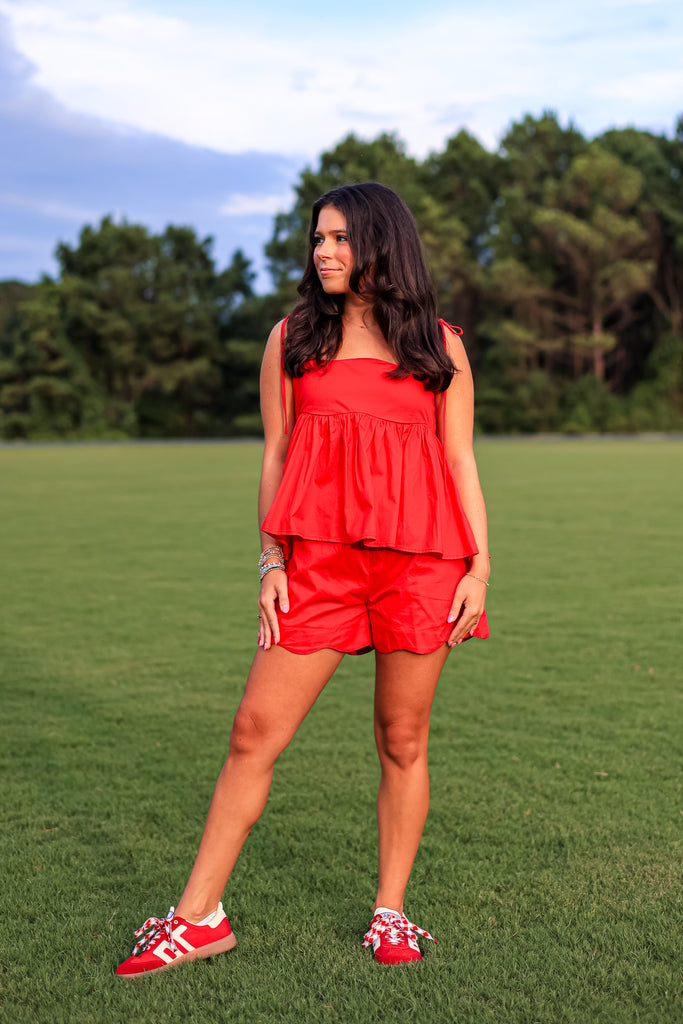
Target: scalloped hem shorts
<point>353,598</point>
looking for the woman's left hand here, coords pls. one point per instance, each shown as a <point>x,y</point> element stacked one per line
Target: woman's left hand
<point>466,609</point>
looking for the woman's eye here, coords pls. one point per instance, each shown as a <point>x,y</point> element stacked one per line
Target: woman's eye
<point>318,240</point>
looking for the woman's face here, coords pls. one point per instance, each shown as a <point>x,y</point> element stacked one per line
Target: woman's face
<point>331,251</point>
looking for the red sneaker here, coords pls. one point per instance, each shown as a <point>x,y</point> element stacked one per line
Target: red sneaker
<point>393,937</point>
<point>168,941</point>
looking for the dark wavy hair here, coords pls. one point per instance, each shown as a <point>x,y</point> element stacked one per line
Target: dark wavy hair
<point>390,272</point>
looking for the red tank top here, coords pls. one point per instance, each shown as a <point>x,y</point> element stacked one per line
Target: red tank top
<point>365,464</point>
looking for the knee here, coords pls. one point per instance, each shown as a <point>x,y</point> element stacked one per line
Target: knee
<point>250,733</point>
<point>401,744</point>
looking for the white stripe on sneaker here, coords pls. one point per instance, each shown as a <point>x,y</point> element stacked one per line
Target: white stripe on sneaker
<point>178,937</point>
<point>165,952</point>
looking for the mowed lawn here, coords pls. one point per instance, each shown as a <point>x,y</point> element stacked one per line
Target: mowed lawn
<point>551,865</point>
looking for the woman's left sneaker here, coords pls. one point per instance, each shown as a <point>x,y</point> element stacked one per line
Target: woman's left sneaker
<point>168,941</point>
<point>393,937</point>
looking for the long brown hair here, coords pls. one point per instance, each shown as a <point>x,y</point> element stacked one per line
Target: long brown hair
<point>389,270</point>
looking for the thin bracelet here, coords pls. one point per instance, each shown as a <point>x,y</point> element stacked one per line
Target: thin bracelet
<point>269,568</point>
<point>269,552</point>
<point>480,578</point>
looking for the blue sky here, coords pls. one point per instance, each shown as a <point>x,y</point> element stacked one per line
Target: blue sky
<point>205,112</point>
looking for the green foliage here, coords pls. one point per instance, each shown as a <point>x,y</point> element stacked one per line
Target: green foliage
<point>45,384</point>
<point>458,188</point>
<point>11,294</point>
<point>656,403</point>
<point>133,340</point>
<point>660,163</point>
<point>533,152</point>
<point>561,257</point>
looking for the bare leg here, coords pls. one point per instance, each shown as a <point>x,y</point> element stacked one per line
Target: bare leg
<point>280,690</point>
<point>404,691</point>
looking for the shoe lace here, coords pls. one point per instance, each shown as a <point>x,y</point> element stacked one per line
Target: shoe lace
<point>154,929</point>
<point>396,929</point>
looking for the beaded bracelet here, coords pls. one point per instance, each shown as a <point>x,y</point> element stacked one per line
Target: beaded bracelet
<point>267,553</point>
<point>480,578</point>
<point>269,568</point>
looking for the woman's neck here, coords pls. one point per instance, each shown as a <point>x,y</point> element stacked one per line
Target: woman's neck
<point>358,314</point>
<point>361,334</point>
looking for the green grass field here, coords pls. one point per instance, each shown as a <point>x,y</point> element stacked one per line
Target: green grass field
<point>551,864</point>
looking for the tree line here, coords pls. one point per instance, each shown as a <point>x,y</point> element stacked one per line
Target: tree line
<point>560,256</point>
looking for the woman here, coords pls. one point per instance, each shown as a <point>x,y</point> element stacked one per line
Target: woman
<point>373,534</point>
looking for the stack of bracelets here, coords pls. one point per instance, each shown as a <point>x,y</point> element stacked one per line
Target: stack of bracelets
<point>271,558</point>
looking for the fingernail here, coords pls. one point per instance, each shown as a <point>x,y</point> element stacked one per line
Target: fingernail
<point>451,618</point>
<point>284,607</point>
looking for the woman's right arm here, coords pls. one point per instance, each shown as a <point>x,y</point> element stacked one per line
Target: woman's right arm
<point>274,584</point>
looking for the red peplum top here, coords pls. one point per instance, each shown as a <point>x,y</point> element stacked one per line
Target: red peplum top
<point>365,464</point>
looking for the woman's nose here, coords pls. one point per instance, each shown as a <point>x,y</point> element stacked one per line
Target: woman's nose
<point>324,250</point>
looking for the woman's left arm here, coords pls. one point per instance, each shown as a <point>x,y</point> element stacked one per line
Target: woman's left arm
<point>455,432</point>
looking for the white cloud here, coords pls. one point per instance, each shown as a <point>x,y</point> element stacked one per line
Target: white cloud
<point>625,4</point>
<point>240,205</point>
<point>233,88</point>
<point>49,208</point>
<point>642,86</point>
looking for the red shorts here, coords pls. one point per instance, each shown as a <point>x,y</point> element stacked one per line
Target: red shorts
<point>353,598</point>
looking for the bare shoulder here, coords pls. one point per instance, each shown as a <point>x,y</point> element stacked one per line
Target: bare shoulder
<point>271,355</point>
<point>458,353</point>
<point>275,335</point>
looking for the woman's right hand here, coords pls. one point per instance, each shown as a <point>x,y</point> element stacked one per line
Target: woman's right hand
<point>273,592</point>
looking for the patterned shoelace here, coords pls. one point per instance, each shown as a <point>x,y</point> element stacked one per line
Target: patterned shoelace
<point>396,928</point>
<point>154,927</point>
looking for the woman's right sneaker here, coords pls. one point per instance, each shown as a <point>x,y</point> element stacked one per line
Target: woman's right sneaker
<point>393,937</point>
<point>168,941</point>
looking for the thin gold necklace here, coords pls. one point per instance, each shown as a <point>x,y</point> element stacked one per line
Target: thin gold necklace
<point>355,323</point>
